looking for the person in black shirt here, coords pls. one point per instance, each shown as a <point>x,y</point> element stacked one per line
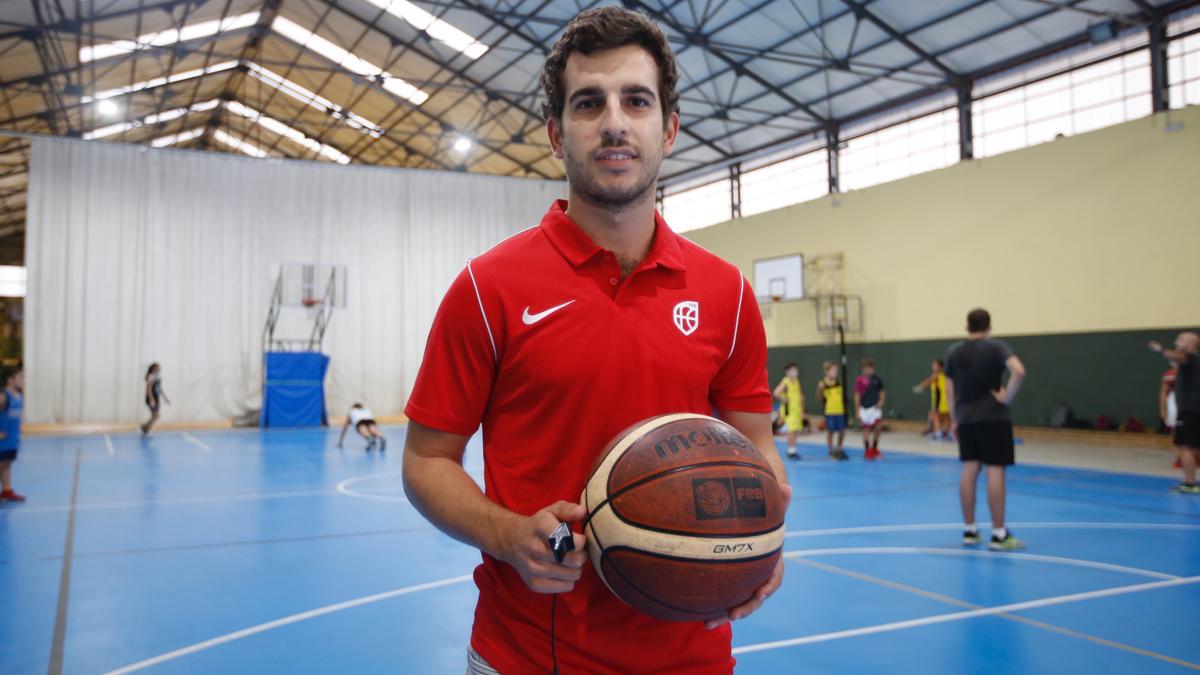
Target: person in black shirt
<point>1187,400</point>
<point>980,420</point>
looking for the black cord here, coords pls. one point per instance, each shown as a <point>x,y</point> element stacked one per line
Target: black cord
<point>553,655</point>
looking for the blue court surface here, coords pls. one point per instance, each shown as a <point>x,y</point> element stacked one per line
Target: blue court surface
<point>276,552</point>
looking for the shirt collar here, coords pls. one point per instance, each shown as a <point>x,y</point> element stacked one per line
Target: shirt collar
<point>578,248</point>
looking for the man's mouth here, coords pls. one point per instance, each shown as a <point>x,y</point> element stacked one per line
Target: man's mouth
<point>616,154</point>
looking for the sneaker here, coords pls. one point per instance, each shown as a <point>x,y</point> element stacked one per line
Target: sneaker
<point>793,455</point>
<point>10,496</point>
<point>840,455</point>
<point>370,445</point>
<point>1009,543</point>
<point>1187,488</point>
<point>382,444</point>
<point>872,453</point>
<point>970,538</point>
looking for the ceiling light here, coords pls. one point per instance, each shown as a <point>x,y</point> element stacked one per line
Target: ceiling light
<point>462,144</point>
<point>108,108</point>
<point>165,116</point>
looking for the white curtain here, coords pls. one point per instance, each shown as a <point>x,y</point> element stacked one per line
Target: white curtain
<point>137,255</point>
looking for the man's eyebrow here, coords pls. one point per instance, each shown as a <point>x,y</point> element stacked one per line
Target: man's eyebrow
<point>585,92</point>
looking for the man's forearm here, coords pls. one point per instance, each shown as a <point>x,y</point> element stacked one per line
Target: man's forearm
<point>1014,385</point>
<point>442,491</point>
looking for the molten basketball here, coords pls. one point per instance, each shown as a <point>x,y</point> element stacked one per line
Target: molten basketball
<point>685,519</point>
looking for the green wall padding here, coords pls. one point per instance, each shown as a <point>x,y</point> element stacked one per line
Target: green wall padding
<point>1108,373</point>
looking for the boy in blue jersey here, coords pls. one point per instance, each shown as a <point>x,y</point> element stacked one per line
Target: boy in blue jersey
<point>10,428</point>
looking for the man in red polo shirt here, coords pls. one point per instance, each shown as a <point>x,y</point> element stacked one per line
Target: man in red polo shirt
<point>560,337</point>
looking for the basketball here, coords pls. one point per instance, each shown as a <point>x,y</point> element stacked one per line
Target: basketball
<point>685,518</point>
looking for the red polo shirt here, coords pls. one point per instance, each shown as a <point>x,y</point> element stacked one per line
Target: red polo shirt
<point>542,342</point>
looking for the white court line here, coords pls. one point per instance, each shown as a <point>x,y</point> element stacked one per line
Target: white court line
<point>197,442</point>
<point>906,550</point>
<point>109,445</point>
<point>971,614</point>
<point>175,500</point>
<point>344,488</point>
<point>271,625</point>
<point>958,526</point>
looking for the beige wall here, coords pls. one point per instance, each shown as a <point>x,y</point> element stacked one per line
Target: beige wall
<point>1095,232</point>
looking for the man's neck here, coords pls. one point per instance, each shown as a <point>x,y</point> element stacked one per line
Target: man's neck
<point>977,336</point>
<point>628,233</point>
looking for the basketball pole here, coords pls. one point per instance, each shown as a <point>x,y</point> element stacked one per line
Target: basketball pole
<point>844,373</point>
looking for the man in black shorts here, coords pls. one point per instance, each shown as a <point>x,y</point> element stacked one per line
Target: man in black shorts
<point>1187,401</point>
<point>980,419</point>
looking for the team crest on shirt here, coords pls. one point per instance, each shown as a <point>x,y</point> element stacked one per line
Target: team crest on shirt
<point>687,316</point>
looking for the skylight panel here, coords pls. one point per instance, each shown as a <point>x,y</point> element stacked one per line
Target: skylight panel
<point>306,38</point>
<point>165,116</point>
<point>436,28</point>
<point>159,81</point>
<point>220,136</point>
<point>284,130</point>
<point>311,99</point>
<point>181,137</point>
<point>166,37</point>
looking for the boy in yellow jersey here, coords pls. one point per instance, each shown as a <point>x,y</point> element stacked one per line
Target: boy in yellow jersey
<point>939,405</point>
<point>829,390</point>
<point>788,391</point>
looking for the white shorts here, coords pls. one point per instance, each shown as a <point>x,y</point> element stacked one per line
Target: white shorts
<point>1172,411</point>
<point>869,417</point>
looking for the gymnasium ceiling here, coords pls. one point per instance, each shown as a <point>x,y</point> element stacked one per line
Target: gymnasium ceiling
<point>397,83</point>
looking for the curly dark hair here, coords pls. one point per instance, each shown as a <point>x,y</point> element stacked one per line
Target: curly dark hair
<point>609,28</point>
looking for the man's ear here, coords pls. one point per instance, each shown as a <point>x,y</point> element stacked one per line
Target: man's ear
<point>670,133</point>
<point>554,132</point>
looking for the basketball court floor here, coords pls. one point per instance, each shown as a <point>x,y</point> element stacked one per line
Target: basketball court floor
<point>275,551</point>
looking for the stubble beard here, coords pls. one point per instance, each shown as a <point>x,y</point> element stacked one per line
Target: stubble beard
<point>584,185</point>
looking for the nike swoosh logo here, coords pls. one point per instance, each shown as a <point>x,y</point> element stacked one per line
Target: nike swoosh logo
<point>530,319</point>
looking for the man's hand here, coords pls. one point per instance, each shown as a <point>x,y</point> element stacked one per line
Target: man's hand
<point>526,547</point>
<point>1155,346</point>
<point>765,591</point>
<point>1001,396</point>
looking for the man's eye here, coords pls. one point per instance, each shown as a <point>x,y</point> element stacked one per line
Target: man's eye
<point>585,105</point>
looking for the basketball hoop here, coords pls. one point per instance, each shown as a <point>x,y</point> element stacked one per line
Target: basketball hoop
<point>310,302</point>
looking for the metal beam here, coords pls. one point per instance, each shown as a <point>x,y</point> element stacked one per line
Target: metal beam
<point>1160,93</point>
<point>832,155</point>
<point>861,10</point>
<point>966,132</point>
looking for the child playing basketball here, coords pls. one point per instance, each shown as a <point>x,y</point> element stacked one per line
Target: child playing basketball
<point>939,406</point>
<point>829,390</point>
<point>10,429</point>
<point>869,397</point>
<point>154,395</point>
<point>364,423</point>
<point>788,391</point>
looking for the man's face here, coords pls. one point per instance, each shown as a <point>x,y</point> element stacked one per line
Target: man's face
<point>611,137</point>
<point>1188,342</point>
<point>793,373</point>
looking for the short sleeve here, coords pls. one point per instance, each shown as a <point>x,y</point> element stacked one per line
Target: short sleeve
<point>880,381</point>
<point>459,366</point>
<point>741,383</point>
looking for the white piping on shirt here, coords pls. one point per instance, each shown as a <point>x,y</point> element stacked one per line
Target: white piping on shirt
<point>495,354</point>
<point>737,318</point>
